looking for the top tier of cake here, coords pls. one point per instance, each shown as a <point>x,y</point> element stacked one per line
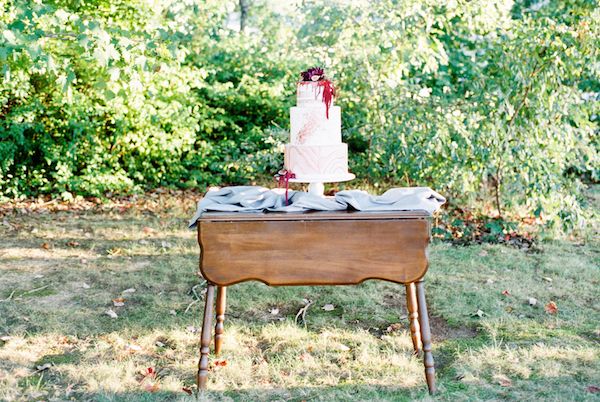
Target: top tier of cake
<point>310,94</point>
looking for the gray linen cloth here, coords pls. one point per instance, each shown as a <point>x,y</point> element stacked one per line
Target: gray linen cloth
<point>261,199</point>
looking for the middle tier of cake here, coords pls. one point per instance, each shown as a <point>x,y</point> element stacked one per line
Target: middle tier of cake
<point>317,162</point>
<point>310,126</point>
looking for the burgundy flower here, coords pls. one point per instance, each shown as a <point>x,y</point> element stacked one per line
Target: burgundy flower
<point>313,74</point>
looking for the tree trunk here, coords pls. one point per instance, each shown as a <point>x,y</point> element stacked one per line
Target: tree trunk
<point>243,14</point>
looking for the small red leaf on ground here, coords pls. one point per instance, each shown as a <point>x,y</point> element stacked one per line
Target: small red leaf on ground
<point>551,308</point>
<point>45,246</point>
<point>148,230</point>
<point>220,363</point>
<point>119,302</point>
<point>187,390</point>
<point>593,389</point>
<point>506,292</point>
<point>73,244</point>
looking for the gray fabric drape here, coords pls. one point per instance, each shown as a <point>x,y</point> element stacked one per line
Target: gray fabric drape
<point>261,199</point>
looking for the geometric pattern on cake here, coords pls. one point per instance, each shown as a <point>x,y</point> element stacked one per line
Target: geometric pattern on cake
<point>317,160</point>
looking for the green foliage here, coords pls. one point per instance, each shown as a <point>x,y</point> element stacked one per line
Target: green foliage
<point>491,103</point>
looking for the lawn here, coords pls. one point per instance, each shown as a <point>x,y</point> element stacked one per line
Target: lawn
<point>496,333</point>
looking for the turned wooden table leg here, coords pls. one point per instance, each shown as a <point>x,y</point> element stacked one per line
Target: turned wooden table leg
<point>426,338</point>
<point>205,337</point>
<point>413,316</point>
<point>221,301</point>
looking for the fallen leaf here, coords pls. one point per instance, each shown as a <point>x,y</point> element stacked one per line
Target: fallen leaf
<point>39,276</point>
<point>133,347</point>
<point>394,327</point>
<point>119,302</point>
<point>503,380</point>
<point>551,308</point>
<point>85,285</point>
<point>45,246</point>
<point>547,279</point>
<point>220,363</point>
<point>479,313</point>
<point>83,261</point>
<point>274,311</point>
<point>148,230</point>
<point>73,244</point>
<point>305,356</point>
<point>483,253</point>
<point>506,292</point>
<point>130,290</point>
<point>149,372</point>
<point>43,367</point>
<point>532,301</point>
<point>343,348</point>
<point>172,312</point>
<point>160,344</point>
<point>192,329</point>
<point>489,281</point>
<point>328,307</point>
<point>593,389</point>
<point>111,313</point>
<point>187,390</point>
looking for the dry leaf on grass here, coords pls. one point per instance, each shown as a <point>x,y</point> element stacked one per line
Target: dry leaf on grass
<point>274,311</point>
<point>506,292</point>
<point>503,380</point>
<point>130,290</point>
<point>43,367</point>
<point>85,285</point>
<point>111,313</point>
<point>220,363</point>
<point>148,230</point>
<point>119,302</point>
<point>187,390</point>
<point>46,246</point>
<point>483,253</point>
<point>532,301</point>
<point>328,307</point>
<point>551,308</point>
<point>394,327</point>
<point>479,313</point>
<point>73,244</point>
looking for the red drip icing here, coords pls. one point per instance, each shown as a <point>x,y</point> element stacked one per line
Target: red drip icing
<point>328,94</point>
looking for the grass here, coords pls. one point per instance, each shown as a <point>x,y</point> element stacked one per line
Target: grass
<point>60,271</point>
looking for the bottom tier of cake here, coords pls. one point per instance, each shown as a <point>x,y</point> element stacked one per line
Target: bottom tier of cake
<point>311,162</point>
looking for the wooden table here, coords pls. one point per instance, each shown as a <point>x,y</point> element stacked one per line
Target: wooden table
<point>315,248</point>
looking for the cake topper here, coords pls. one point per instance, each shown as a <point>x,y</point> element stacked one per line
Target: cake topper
<point>317,74</point>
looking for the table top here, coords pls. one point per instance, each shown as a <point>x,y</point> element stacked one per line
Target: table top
<point>312,215</point>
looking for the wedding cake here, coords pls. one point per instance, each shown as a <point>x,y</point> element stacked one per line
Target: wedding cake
<point>316,152</point>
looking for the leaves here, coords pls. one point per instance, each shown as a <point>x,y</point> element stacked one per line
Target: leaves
<point>551,308</point>
<point>328,307</point>
<point>111,313</point>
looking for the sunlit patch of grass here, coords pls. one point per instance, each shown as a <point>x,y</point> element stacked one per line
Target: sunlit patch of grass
<point>513,350</point>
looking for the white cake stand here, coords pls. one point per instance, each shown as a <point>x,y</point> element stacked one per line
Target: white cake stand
<point>316,186</point>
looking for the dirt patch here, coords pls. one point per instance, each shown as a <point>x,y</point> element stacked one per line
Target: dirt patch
<point>441,330</point>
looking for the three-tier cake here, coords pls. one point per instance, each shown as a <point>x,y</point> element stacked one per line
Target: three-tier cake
<point>316,153</point>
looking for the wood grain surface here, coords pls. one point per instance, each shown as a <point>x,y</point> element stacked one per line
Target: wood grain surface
<point>314,251</point>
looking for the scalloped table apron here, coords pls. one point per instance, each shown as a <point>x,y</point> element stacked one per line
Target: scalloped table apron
<point>314,248</point>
